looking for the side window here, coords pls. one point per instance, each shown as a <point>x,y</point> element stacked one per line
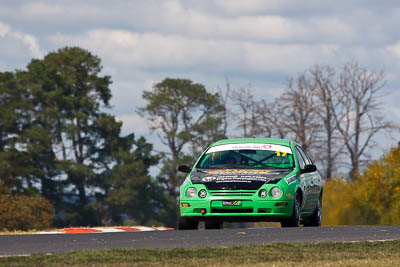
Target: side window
<point>305,156</point>
<point>308,157</point>
<point>300,158</point>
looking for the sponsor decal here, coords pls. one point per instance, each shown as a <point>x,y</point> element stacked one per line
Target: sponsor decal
<point>231,203</point>
<point>237,176</point>
<point>209,178</point>
<point>237,179</point>
<point>250,146</point>
<point>291,179</point>
<point>244,171</point>
<point>234,179</point>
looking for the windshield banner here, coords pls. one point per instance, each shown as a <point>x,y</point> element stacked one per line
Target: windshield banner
<point>250,146</point>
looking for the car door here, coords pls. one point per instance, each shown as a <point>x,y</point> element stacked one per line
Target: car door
<point>305,179</point>
<point>314,181</point>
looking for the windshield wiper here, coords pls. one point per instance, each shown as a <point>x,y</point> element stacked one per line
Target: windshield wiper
<point>281,168</point>
<point>201,171</point>
<point>238,167</point>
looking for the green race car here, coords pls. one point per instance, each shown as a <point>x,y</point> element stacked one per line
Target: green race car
<point>250,180</point>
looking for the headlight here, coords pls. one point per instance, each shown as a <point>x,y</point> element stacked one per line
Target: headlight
<point>191,192</point>
<point>202,193</point>
<point>262,193</point>
<point>276,192</point>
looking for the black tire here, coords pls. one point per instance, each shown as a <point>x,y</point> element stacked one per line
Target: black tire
<point>187,224</point>
<point>213,225</point>
<point>316,217</point>
<point>294,220</point>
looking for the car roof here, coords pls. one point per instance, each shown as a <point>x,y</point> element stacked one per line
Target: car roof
<point>275,141</point>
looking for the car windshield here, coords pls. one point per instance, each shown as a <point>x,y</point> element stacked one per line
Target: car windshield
<point>247,156</point>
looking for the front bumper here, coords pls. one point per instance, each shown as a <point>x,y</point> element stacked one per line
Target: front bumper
<point>251,209</point>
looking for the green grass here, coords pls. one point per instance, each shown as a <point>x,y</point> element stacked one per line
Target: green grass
<point>281,254</point>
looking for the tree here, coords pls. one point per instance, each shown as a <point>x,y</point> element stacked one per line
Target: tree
<point>184,114</point>
<point>298,112</point>
<point>13,116</point>
<point>334,115</point>
<point>325,92</point>
<point>359,117</point>
<point>57,139</point>
<point>314,101</point>
<point>24,212</point>
<point>271,122</point>
<point>247,116</point>
<point>373,197</point>
<point>378,190</point>
<point>129,189</point>
<point>67,93</point>
<point>225,97</point>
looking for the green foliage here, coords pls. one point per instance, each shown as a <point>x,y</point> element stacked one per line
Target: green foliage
<point>337,202</point>
<point>21,212</point>
<point>187,119</point>
<point>56,137</point>
<point>130,190</point>
<point>378,190</point>
<point>184,114</point>
<point>373,198</point>
<point>61,137</point>
<point>12,115</point>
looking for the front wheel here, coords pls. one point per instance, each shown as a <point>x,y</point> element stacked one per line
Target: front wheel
<point>294,220</point>
<point>316,217</point>
<point>185,223</point>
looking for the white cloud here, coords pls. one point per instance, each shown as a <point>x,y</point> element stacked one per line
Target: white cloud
<point>4,29</point>
<point>153,50</point>
<point>249,6</point>
<point>55,10</point>
<point>172,17</point>
<point>395,48</point>
<point>30,41</point>
<point>255,41</point>
<point>287,7</point>
<point>333,28</point>
<point>27,39</point>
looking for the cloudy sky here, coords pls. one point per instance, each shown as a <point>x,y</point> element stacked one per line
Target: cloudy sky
<point>257,42</point>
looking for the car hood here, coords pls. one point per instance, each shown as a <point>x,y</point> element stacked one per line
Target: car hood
<point>249,179</point>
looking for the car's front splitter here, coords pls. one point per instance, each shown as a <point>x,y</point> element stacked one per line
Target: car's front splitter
<point>248,210</point>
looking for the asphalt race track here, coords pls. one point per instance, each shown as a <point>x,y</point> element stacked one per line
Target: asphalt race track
<point>57,243</point>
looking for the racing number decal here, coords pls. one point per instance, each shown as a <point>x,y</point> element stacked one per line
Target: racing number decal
<point>279,154</point>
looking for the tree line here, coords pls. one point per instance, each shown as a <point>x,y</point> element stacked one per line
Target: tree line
<point>335,115</point>
<point>59,141</point>
<point>373,197</point>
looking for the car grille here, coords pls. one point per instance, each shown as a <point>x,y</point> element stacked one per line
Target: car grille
<point>248,210</point>
<point>232,192</point>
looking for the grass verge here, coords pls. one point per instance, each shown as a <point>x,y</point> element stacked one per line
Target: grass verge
<point>280,254</point>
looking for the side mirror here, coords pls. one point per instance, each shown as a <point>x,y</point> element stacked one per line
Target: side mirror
<point>184,168</point>
<point>309,168</point>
